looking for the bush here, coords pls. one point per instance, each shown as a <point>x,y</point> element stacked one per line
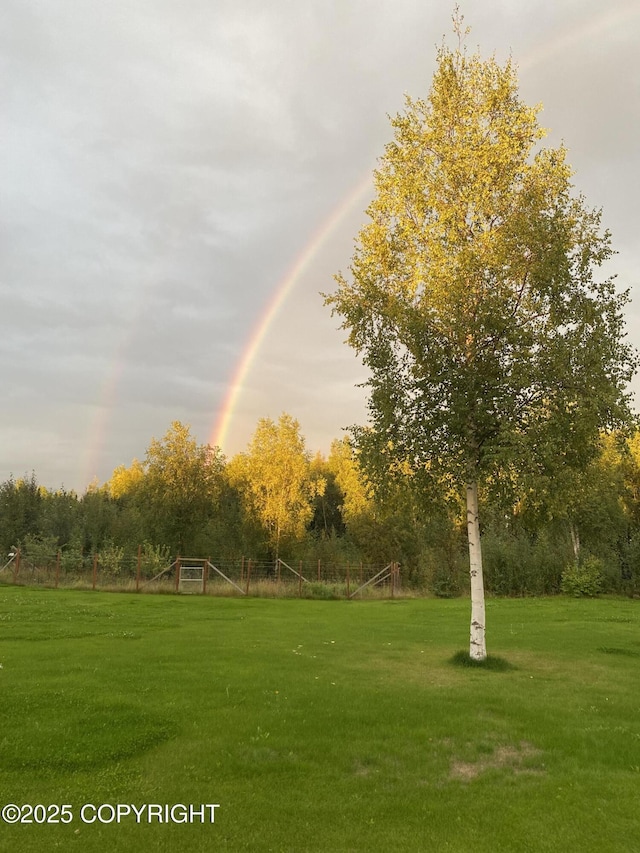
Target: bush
<point>154,558</point>
<point>583,578</point>
<point>40,551</point>
<point>72,559</point>
<point>517,564</point>
<point>329,549</point>
<point>445,582</point>
<point>630,565</point>
<point>111,559</point>
<point>322,591</point>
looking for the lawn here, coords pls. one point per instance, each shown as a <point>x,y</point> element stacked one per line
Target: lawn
<point>319,725</point>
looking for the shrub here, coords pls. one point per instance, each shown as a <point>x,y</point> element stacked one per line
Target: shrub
<point>72,559</point>
<point>154,558</point>
<point>583,578</point>
<point>111,559</point>
<point>40,551</point>
<point>518,564</point>
<point>445,582</point>
<point>322,591</point>
<point>630,560</point>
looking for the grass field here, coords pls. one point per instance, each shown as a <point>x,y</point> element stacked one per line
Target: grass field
<point>320,725</point>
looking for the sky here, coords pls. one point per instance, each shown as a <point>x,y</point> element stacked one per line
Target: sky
<point>181,179</point>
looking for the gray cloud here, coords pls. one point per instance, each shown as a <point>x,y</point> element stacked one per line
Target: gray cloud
<point>165,164</point>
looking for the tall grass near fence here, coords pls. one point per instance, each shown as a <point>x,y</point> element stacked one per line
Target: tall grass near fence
<point>321,725</point>
<point>158,573</point>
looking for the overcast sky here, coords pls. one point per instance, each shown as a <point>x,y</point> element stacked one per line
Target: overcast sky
<point>166,163</point>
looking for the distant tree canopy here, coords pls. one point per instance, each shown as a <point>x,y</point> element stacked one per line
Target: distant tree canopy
<point>533,529</point>
<point>182,483</point>
<point>275,480</point>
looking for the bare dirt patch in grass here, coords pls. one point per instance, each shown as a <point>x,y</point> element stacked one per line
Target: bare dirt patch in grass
<point>514,759</point>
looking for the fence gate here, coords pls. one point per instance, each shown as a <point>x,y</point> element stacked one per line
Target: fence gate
<point>191,575</point>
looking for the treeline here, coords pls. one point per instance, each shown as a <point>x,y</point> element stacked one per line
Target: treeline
<point>579,532</point>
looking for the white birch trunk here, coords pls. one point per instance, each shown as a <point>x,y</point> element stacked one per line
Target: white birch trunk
<point>575,541</point>
<point>477,644</point>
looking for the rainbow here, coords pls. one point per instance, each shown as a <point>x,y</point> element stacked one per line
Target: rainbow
<point>592,28</point>
<point>223,423</point>
<point>101,411</point>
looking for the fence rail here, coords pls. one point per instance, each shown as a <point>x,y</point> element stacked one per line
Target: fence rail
<point>204,575</point>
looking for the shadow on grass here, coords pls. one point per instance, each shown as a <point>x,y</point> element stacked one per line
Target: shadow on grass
<point>614,651</point>
<point>495,664</point>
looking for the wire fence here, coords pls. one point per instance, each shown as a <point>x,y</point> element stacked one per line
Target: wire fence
<point>204,575</point>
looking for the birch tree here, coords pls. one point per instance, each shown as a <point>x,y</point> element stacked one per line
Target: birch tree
<point>180,488</point>
<point>275,480</point>
<point>474,296</point>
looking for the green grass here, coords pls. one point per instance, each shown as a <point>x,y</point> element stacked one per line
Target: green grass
<point>322,725</point>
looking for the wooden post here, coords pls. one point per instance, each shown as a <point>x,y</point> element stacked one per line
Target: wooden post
<point>138,567</point>
<point>178,574</point>
<point>278,564</point>
<point>393,579</point>
<point>348,586</point>
<point>205,575</point>
<point>300,580</point>
<point>57,568</point>
<point>248,576</point>
<point>242,569</point>
<point>16,565</point>
<point>95,570</point>
<point>318,571</point>
<point>360,572</point>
